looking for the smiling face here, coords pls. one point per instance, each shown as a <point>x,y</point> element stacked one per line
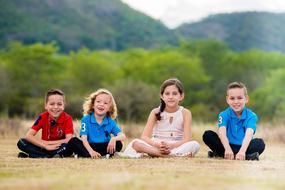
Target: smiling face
<point>171,96</point>
<point>236,99</point>
<point>102,104</point>
<point>55,105</point>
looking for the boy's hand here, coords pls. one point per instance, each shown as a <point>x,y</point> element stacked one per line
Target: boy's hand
<point>94,154</point>
<point>111,146</point>
<point>229,155</point>
<point>240,156</point>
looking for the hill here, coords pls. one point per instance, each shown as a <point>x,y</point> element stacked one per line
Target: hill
<point>96,24</point>
<point>240,31</point>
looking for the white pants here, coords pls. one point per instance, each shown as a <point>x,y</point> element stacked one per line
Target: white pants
<point>184,149</point>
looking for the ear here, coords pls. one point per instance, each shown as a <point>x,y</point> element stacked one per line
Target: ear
<point>246,99</point>
<point>182,97</point>
<point>227,98</point>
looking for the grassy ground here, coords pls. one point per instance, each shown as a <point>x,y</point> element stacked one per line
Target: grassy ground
<point>118,173</point>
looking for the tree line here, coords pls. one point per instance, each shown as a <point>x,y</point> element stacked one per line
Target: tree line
<point>205,67</point>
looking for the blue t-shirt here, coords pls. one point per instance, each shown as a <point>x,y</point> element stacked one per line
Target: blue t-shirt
<point>236,127</point>
<point>98,133</point>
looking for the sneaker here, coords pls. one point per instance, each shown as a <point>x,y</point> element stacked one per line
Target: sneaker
<point>23,155</point>
<point>212,154</point>
<point>252,156</point>
<point>57,156</point>
<point>107,156</point>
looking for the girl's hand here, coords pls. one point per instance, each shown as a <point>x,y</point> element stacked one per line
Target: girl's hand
<point>164,148</point>
<point>229,155</point>
<point>94,154</point>
<point>111,146</point>
<point>240,156</point>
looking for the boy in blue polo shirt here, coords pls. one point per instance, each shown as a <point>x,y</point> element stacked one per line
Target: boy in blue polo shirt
<point>97,125</point>
<point>236,127</point>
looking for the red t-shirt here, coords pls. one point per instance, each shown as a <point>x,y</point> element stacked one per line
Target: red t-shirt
<point>54,130</point>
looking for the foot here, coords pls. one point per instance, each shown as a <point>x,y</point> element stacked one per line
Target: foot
<point>57,156</point>
<point>212,154</point>
<point>23,155</point>
<point>252,156</point>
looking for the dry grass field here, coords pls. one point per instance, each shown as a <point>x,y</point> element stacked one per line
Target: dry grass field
<point>147,173</point>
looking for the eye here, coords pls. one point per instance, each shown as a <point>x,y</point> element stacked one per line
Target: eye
<point>175,93</point>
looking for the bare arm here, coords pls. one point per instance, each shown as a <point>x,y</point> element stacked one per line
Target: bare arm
<point>31,137</point>
<point>112,143</point>
<point>86,144</point>
<point>149,127</point>
<point>59,142</point>
<point>224,139</point>
<point>248,136</point>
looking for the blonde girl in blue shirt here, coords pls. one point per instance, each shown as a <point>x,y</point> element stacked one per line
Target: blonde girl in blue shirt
<point>99,134</point>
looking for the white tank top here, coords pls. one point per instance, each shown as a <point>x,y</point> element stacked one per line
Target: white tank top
<point>170,127</point>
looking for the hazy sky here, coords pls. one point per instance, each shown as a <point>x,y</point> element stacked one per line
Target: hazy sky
<point>174,12</point>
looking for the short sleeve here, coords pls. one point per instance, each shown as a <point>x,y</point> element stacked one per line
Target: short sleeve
<point>115,129</point>
<point>84,128</point>
<point>251,123</point>
<point>222,119</point>
<point>38,123</point>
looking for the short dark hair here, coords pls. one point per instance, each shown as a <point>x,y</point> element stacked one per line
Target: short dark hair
<point>54,92</point>
<point>237,85</point>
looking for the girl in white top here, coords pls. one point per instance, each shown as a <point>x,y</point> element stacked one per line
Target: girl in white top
<point>168,129</point>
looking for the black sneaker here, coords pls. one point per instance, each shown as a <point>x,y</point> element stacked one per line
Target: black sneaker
<point>60,151</point>
<point>212,154</point>
<point>23,155</point>
<point>252,156</point>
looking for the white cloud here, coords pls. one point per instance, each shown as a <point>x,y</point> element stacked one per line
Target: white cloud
<point>176,12</point>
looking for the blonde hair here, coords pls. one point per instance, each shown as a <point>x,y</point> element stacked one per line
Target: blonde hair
<point>89,102</point>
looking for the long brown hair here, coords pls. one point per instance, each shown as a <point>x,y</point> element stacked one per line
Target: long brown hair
<point>166,83</point>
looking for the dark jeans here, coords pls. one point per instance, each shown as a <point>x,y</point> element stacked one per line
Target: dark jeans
<point>212,140</point>
<point>78,148</point>
<point>37,152</point>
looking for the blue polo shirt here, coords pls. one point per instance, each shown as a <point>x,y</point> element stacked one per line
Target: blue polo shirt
<point>236,127</point>
<point>98,133</point>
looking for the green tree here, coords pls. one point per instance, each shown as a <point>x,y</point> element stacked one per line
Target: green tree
<point>31,70</point>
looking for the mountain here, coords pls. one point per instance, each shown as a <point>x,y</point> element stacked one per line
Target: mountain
<point>111,24</point>
<point>96,24</point>
<point>240,31</point>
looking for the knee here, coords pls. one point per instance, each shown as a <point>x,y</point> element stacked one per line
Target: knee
<point>22,143</point>
<point>119,146</point>
<point>196,145</point>
<point>261,144</point>
<point>73,140</point>
<point>207,135</point>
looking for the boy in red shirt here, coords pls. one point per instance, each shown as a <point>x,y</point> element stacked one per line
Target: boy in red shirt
<point>57,129</point>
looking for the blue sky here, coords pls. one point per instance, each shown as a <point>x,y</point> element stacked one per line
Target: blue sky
<point>175,12</point>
